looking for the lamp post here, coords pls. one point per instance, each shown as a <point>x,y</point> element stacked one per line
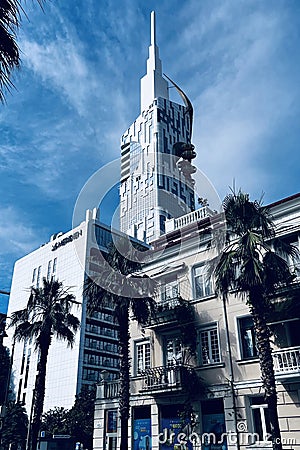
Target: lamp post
<point>104,374</point>
<point>231,375</point>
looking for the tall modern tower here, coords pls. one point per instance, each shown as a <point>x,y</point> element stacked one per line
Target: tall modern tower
<point>153,186</point>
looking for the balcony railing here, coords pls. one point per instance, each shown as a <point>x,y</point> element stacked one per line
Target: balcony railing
<point>166,311</point>
<point>194,216</point>
<point>287,361</point>
<point>164,378</point>
<point>169,303</point>
<point>111,389</point>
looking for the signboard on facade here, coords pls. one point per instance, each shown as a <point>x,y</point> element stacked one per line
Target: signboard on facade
<point>171,427</point>
<point>67,239</point>
<point>142,434</point>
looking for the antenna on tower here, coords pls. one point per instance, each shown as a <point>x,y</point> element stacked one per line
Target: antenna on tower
<point>153,29</point>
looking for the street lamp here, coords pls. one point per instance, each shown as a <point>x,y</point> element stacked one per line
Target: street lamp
<point>104,374</point>
<point>102,386</point>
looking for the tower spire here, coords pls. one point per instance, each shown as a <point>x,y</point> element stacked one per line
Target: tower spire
<point>153,84</point>
<point>153,29</point>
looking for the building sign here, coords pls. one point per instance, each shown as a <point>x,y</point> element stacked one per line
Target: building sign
<point>172,433</point>
<point>67,239</point>
<point>142,434</point>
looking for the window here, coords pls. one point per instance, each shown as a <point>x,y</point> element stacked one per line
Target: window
<point>103,236</point>
<point>19,390</point>
<point>38,276</point>
<point>247,338</point>
<point>170,291</point>
<point>54,266</point>
<point>111,423</point>
<point>260,418</point>
<point>203,283</point>
<point>33,275</point>
<point>162,223</point>
<point>286,333</point>
<point>23,357</point>
<point>293,261</point>
<point>111,420</point>
<point>143,356</point>
<point>27,368</point>
<point>173,351</point>
<point>49,270</point>
<point>209,346</point>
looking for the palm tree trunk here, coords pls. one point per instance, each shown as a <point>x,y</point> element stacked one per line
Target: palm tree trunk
<point>124,378</point>
<point>39,392</point>
<point>258,309</point>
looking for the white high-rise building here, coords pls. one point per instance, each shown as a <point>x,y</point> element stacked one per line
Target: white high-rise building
<point>153,187</point>
<point>69,258</point>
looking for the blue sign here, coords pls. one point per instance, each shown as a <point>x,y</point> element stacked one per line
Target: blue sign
<point>142,434</point>
<point>171,427</point>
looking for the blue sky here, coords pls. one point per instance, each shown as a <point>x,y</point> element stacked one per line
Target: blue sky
<point>78,90</point>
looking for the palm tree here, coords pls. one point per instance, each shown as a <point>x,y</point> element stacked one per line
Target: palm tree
<point>47,314</point>
<point>252,263</point>
<point>10,13</point>
<point>122,294</point>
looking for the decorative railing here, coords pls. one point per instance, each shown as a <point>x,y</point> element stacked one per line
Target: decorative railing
<point>111,389</point>
<point>194,216</point>
<point>166,311</point>
<point>164,378</point>
<point>169,303</point>
<point>287,360</point>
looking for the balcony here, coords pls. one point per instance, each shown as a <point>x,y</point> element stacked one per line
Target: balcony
<point>192,217</point>
<point>287,362</point>
<point>158,380</point>
<point>108,389</point>
<point>166,311</point>
<point>106,333</point>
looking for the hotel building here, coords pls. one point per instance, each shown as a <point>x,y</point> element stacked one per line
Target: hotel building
<point>69,258</point>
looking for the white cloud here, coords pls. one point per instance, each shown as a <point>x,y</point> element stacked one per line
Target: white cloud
<point>240,93</point>
<point>60,63</point>
<point>16,236</point>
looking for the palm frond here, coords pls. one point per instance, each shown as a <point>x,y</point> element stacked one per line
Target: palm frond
<point>285,249</point>
<point>225,272</point>
<point>9,51</point>
<point>26,330</point>
<point>64,333</point>
<point>143,309</point>
<point>258,265</point>
<point>276,271</point>
<point>18,317</point>
<point>251,274</point>
<point>72,322</point>
<point>243,215</point>
<point>47,311</point>
<point>10,18</point>
<point>96,296</point>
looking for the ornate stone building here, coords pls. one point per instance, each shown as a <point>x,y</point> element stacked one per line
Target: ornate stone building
<point>222,381</point>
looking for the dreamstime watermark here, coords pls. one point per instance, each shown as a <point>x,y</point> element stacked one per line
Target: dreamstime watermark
<point>171,192</point>
<point>169,437</point>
